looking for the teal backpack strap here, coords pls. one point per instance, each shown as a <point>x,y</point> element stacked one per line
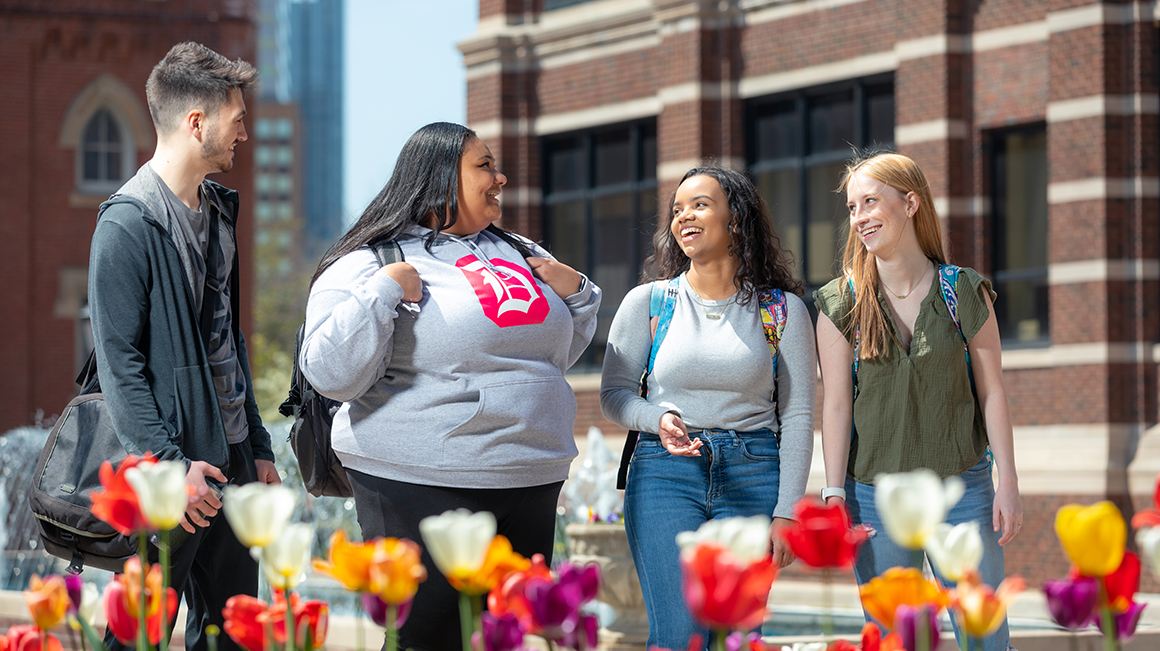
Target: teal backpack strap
<point>660,312</point>
<point>948,283</point>
<point>857,342</point>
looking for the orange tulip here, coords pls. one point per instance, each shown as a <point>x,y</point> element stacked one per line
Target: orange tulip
<point>27,637</point>
<point>722,593</point>
<point>348,562</point>
<point>123,603</point>
<point>979,609</point>
<point>116,502</point>
<point>896,586</point>
<point>499,562</point>
<point>47,600</point>
<point>396,570</point>
<point>508,597</point>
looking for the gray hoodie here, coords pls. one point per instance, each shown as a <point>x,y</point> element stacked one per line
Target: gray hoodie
<point>466,391</point>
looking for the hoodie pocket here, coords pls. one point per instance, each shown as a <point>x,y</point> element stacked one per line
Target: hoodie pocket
<point>195,407</point>
<point>522,423</point>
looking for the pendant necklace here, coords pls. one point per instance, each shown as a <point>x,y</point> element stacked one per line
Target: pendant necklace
<point>713,316</point>
<point>909,291</point>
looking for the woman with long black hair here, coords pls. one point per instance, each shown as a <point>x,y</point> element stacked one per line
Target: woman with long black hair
<point>727,426</point>
<point>450,363</point>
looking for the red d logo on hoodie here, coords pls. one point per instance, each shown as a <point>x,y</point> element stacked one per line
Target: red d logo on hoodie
<point>509,296</point>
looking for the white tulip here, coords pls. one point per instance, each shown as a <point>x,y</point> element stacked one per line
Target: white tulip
<point>911,504</point>
<point>284,561</point>
<point>805,646</point>
<point>458,540</point>
<point>258,512</point>
<point>953,550</point>
<point>87,611</point>
<point>746,538</point>
<point>1148,540</point>
<point>161,492</point>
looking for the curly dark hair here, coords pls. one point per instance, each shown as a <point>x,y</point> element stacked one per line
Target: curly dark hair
<point>762,263</point>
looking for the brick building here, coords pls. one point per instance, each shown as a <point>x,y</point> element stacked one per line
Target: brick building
<point>1036,122</point>
<point>76,126</point>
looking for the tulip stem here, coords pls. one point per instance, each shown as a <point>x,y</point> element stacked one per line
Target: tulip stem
<point>88,631</point>
<point>43,634</point>
<point>827,605</point>
<point>392,629</point>
<point>922,630</point>
<point>359,631</point>
<point>720,640</point>
<point>1109,623</point>
<point>917,558</point>
<point>142,612</point>
<point>291,625</point>
<point>163,558</point>
<point>465,620</point>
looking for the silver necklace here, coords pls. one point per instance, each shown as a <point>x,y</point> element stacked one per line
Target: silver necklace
<point>713,316</point>
<point>912,287</point>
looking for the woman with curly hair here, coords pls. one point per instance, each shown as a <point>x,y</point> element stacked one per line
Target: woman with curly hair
<point>726,428</point>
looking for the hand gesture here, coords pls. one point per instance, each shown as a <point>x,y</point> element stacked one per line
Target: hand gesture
<point>204,503</point>
<point>404,274</point>
<point>563,280</point>
<point>675,436</point>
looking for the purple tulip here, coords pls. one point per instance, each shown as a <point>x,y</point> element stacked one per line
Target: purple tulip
<point>75,586</point>
<point>585,636</point>
<point>1072,602</point>
<point>555,606</point>
<point>738,641</point>
<point>587,577</point>
<point>376,608</point>
<point>907,620</point>
<point>501,633</point>
<point>1125,622</point>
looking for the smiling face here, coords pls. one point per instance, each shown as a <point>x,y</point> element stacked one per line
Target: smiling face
<point>701,218</point>
<point>222,132</point>
<point>879,214</point>
<point>480,184</point>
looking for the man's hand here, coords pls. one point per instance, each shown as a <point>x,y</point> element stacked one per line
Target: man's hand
<point>267,473</point>
<point>204,503</point>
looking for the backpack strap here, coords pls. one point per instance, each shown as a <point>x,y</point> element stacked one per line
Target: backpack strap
<point>774,314</point>
<point>857,340</point>
<point>387,252</point>
<point>948,283</point>
<point>662,304</point>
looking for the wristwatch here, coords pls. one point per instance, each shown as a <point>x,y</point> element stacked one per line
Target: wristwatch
<point>833,492</point>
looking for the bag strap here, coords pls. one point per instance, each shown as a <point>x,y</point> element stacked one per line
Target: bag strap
<point>387,252</point>
<point>87,379</point>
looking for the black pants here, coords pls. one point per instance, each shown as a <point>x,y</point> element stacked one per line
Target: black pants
<point>526,516</point>
<point>211,566</point>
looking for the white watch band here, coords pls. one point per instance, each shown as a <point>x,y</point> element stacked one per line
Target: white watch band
<point>833,492</point>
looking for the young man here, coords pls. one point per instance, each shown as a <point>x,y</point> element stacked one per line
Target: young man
<point>163,298</point>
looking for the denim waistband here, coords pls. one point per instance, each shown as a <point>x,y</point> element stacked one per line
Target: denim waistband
<point>762,432</point>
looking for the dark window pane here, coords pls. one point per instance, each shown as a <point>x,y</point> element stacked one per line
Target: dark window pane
<point>648,154</point>
<point>1022,308</point>
<point>782,192</point>
<point>776,131</point>
<point>612,242</point>
<point>569,237</point>
<point>827,223</point>
<point>92,166</point>
<point>565,161</point>
<point>93,133</point>
<point>112,164</point>
<point>832,122</point>
<point>112,133</point>
<point>880,114</point>
<point>613,157</point>
<point>646,228</point>
<point>1020,247</point>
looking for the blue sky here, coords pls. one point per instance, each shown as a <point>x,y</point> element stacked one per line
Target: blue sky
<point>402,71</point>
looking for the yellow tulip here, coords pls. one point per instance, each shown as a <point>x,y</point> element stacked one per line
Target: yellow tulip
<point>396,570</point>
<point>882,595</point>
<point>47,600</point>
<point>979,609</point>
<point>1093,537</point>
<point>349,563</point>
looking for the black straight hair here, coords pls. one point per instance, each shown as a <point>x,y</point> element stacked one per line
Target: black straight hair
<point>423,185</point>
<point>761,262</point>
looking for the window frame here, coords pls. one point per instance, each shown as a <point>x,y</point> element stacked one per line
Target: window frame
<point>802,162</point>
<point>128,154</point>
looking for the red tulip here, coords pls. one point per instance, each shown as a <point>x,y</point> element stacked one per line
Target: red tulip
<point>116,502</point>
<point>821,535</point>
<point>1122,584</point>
<point>1149,517</point>
<point>122,603</point>
<point>722,593</point>
<point>27,637</point>
<point>247,619</point>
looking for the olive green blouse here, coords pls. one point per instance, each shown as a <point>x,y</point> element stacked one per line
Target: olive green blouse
<point>916,410</point>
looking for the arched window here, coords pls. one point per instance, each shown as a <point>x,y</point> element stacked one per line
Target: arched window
<point>103,151</point>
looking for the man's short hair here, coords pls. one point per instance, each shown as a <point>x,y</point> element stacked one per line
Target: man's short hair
<point>192,76</point>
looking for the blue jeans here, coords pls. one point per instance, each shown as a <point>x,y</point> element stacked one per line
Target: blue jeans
<point>880,553</point>
<point>736,475</point>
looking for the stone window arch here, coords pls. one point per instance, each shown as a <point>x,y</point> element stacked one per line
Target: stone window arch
<point>106,126</point>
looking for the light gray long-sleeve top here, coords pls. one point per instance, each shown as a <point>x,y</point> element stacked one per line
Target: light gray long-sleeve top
<point>717,374</point>
<point>468,391</point>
